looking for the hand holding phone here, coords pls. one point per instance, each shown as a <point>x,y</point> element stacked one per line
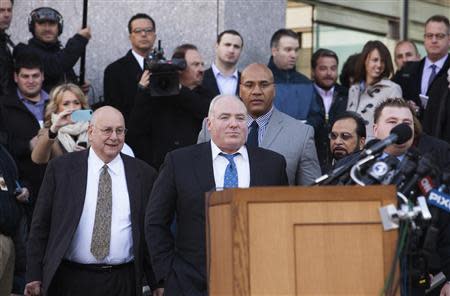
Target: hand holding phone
<point>81,115</point>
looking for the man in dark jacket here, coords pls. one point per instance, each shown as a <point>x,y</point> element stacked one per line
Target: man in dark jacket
<point>46,24</point>
<point>23,115</point>
<point>331,98</point>
<point>121,77</point>
<point>159,124</point>
<point>294,91</point>
<point>6,61</point>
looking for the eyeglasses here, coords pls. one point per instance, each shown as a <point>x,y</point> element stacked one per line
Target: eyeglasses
<point>145,30</point>
<point>439,36</point>
<point>262,85</point>
<point>107,132</point>
<point>344,136</point>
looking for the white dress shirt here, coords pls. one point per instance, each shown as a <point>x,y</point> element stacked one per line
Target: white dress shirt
<point>227,84</point>
<point>427,72</point>
<point>220,164</point>
<point>121,246</point>
<point>327,97</point>
<point>139,59</point>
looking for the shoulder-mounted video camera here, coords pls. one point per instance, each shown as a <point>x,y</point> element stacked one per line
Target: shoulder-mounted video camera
<point>165,77</point>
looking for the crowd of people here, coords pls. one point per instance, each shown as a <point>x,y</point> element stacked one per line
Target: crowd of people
<point>79,205</point>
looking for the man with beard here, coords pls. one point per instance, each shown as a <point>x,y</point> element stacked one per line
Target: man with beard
<point>347,136</point>
<point>223,76</point>
<point>330,97</point>
<point>46,25</point>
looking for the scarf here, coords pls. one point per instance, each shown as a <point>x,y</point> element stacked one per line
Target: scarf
<point>66,133</point>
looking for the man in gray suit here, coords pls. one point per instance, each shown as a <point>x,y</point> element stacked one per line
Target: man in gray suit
<point>274,130</point>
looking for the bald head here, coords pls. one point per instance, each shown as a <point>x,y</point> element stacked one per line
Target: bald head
<point>227,123</point>
<point>107,133</point>
<point>257,89</point>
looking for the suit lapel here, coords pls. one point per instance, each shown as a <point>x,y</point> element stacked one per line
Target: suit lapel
<point>203,167</point>
<point>441,72</point>
<point>274,127</point>
<point>134,66</point>
<point>132,177</point>
<point>78,183</point>
<point>255,166</point>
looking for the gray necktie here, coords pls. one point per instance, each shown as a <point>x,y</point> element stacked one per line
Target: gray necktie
<point>432,75</point>
<point>101,234</point>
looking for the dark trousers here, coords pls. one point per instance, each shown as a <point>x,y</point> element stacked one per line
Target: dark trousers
<point>73,279</point>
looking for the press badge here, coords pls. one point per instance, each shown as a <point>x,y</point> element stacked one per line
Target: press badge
<point>3,186</point>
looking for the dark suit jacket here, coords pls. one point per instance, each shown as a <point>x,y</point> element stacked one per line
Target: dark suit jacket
<point>120,83</point>
<point>210,83</point>
<point>410,78</point>
<point>21,127</point>
<point>179,190</point>
<point>161,124</point>
<point>59,208</point>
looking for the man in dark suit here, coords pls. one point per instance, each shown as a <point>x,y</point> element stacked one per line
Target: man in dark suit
<point>418,79</point>
<point>86,236</point>
<point>179,191</point>
<point>121,78</point>
<point>223,76</point>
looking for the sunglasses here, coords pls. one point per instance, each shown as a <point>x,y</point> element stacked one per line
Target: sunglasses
<point>344,136</point>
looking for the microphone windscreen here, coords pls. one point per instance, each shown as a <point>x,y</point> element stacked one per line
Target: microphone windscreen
<point>403,132</point>
<point>371,143</point>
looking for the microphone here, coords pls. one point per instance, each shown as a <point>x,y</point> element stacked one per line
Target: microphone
<point>345,167</point>
<point>380,170</point>
<point>399,134</point>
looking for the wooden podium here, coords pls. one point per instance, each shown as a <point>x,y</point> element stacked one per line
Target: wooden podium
<point>299,241</point>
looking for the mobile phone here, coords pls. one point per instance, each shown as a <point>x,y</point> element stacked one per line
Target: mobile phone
<point>82,144</point>
<point>81,115</point>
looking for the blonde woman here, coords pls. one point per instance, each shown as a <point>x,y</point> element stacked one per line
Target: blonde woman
<point>60,134</point>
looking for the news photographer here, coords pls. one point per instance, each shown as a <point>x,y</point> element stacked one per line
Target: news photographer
<point>169,105</point>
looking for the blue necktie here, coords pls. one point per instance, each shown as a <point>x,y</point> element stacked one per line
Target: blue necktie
<point>432,75</point>
<point>252,139</point>
<point>230,179</point>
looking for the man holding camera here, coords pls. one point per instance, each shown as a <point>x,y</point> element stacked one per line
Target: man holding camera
<point>122,76</point>
<point>159,124</point>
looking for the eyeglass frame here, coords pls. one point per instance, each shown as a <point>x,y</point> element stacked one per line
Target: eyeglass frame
<point>263,85</point>
<point>107,132</point>
<point>345,136</point>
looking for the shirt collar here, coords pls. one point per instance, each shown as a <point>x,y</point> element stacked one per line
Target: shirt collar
<point>322,92</point>
<point>216,151</point>
<point>263,120</point>
<point>44,97</point>
<point>217,72</point>
<point>97,164</point>
<point>138,58</point>
<point>439,63</point>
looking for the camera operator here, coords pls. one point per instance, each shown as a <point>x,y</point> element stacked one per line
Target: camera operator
<point>159,124</point>
<point>46,25</point>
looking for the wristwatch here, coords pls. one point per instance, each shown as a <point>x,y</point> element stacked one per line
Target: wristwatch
<point>52,135</point>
